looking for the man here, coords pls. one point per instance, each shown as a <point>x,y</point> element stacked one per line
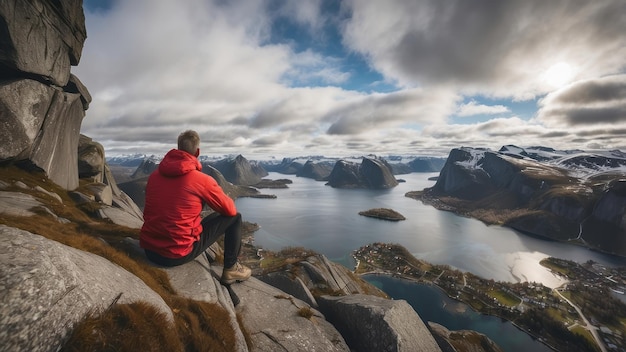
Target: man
<point>173,232</point>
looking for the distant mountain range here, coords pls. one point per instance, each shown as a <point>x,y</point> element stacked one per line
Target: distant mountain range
<point>399,164</point>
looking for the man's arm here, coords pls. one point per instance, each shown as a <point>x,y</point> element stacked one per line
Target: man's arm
<point>214,196</point>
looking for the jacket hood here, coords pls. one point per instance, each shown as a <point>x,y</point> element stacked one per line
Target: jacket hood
<point>177,162</point>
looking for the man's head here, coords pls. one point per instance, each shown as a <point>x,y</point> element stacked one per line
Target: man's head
<point>189,141</point>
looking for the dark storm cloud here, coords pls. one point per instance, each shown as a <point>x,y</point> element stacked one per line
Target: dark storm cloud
<point>382,110</point>
<point>599,101</point>
<point>267,141</point>
<point>585,115</point>
<point>555,134</point>
<point>589,92</point>
<point>602,131</point>
<point>504,45</point>
<point>393,75</point>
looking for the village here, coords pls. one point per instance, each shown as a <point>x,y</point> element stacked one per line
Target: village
<point>583,310</point>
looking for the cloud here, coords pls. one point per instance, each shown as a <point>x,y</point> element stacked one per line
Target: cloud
<point>377,111</point>
<point>472,108</point>
<point>238,73</point>
<point>591,102</point>
<point>480,46</point>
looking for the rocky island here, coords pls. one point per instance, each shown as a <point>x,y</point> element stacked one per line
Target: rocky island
<point>383,213</point>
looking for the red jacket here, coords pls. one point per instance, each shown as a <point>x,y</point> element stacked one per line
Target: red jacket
<point>174,198</point>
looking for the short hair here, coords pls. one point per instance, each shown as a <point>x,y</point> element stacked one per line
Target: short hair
<point>189,141</point>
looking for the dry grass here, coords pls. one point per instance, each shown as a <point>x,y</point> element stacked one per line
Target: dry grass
<point>138,326</point>
<point>306,312</point>
<point>199,326</point>
<point>277,261</point>
<point>203,326</point>
<point>125,327</point>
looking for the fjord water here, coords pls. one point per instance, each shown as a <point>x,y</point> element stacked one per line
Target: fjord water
<point>315,216</point>
<point>318,217</point>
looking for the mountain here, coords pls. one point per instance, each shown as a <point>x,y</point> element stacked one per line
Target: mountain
<point>239,170</point>
<point>572,196</point>
<point>374,173</point>
<point>318,171</point>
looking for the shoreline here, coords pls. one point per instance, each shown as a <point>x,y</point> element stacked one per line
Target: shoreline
<point>432,284</point>
<point>440,205</point>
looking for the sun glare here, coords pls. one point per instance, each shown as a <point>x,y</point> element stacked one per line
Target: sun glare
<point>558,75</point>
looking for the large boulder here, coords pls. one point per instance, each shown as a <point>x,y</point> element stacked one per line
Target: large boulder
<point>370,323</point>
<point>42,105</point>
<point>462,340</point>
<point>41,125</point>
<point>123,210</point>
<point>90,159</point>
<point>277,321</point>
<point>196,281</point>
<point>47,287</point>
<point>42,38</point>
<point>318,275</point>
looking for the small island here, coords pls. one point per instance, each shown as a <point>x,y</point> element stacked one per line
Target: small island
<point>383,213</point>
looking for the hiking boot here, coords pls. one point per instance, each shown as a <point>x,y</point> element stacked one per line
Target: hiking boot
<point>237,273</point>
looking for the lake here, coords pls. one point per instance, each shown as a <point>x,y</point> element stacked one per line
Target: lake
<point>318,217</point>
<point>432,304</point>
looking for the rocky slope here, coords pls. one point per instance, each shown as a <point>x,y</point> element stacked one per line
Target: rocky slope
<point>64,272</point>
<point>71,272</point>
<point>563,195</point>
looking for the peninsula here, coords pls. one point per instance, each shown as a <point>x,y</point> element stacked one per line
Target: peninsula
<point>581,315</point>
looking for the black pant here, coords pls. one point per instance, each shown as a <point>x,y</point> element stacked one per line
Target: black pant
<point>213,226</point>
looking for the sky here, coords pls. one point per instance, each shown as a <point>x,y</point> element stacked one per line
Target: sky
<point>287,78</point>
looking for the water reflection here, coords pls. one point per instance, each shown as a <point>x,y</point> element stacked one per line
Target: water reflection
<point>326,220</point>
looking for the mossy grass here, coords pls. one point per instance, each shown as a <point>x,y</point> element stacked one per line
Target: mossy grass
<point>122,327</point>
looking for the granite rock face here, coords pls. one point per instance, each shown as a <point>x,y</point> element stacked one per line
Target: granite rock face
<point>47,287</point>
<point>42,105</point>
<point>373,173</point>
<point>90,159</point>
<point>41,124</point>
<point>566,197</point>
<point>42,38</point>
<point>318,274</point>
<point>370,323</point>
<point>279,322</point>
